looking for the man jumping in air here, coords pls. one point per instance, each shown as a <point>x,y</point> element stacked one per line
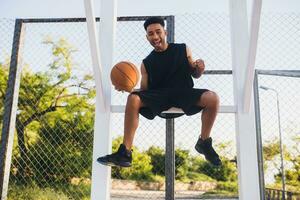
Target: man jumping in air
<point>167,82</point>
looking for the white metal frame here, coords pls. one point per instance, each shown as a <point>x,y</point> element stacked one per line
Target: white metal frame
<point>250,70</point>
<point>243,60</point>
<point>101,174</point>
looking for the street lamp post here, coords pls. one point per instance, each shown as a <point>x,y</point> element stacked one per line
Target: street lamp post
<point>280,140</point>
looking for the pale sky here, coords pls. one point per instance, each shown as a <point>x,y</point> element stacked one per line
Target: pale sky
<point>74,8</point>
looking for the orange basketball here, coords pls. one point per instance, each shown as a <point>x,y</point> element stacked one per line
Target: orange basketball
<point>124,76</point>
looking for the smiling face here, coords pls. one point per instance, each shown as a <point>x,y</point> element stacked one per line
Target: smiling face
<point>156,35</point>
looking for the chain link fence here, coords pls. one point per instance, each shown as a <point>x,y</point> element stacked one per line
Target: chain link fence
<point>52,152</point>
<point>54,126</point>
<point>54,129</point>
<point>6,38</point>
<point>278,48</point>
<point>207,35</point>
<point>278,42</point>
<point>280,130</point>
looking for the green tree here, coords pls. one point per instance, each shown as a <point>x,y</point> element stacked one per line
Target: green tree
<point>45,96</point>
<point>271,154</point>
<point>3,81</point>
<point>293,174</point>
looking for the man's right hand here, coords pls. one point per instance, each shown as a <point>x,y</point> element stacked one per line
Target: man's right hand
<point>119,89</point>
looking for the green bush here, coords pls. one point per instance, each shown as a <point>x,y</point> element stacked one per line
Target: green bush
<point>181,163</point>
<point>226,172</point>
<point>141,165</point>
<point>157,160</point>
<point>60,153</point>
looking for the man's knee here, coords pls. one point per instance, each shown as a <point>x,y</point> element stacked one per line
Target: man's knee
<point>209,99</point>
<point>134,100</point>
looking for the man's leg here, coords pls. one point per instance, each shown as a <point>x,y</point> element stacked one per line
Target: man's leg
<point>123,156</point>
<point>131,120</point>
<point>210,101</point>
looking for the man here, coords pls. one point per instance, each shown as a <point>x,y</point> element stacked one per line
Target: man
<point>166,82</point>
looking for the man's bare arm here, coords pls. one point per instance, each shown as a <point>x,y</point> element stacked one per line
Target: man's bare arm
<point>144,79</point>
<point>197,66</point>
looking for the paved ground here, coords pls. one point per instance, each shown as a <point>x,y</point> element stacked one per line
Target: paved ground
<point>158,195</point>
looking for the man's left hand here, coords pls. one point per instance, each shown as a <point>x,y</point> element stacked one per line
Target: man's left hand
<point>198,68</point>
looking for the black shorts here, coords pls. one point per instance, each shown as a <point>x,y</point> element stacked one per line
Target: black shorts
<point>159,100</point>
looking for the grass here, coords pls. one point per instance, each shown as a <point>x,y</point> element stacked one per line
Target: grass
<point>224,189</point>
<point>33,192</point>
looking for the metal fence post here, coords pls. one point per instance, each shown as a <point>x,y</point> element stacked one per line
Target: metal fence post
<point>170,159</point>
<point>10,108</point>
<point>171,28</point>
<point>170,149</point>
<point>258,136</point>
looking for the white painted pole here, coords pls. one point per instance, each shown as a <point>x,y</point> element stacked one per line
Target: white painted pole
<point>250,71</point>
<point>95,53</point>
<point>102,139</point>
<point>248,177</point>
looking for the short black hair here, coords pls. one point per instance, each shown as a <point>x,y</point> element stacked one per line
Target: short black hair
<point>154,20</point>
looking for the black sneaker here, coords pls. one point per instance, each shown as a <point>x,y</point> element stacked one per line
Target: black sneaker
<point>205,147</point>
<point>122,158</point>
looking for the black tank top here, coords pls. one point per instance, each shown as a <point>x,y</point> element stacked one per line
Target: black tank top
<point>169,68</point>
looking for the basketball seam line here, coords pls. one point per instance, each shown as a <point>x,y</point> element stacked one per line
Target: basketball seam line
<point>125,76</point>
<point>134,69</point>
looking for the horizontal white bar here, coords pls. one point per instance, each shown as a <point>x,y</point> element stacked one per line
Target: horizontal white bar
<point>223,109</point>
